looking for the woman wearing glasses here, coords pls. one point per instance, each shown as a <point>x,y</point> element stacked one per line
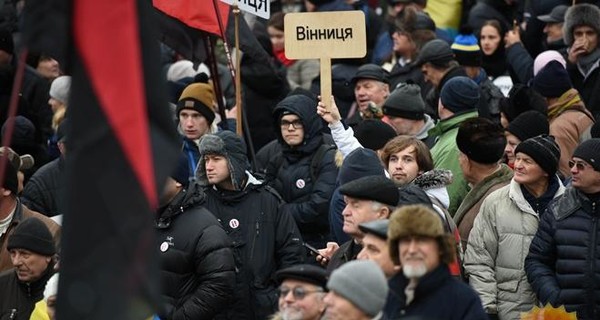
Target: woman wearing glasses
<point>505,226</point>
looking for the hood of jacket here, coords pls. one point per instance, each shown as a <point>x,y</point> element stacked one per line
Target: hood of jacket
<point>228,144</point>
<point>305,108</point>
<point>188,197</point>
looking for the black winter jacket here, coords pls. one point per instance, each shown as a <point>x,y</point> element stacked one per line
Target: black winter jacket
<point>264,239</point>
<point>45,190</point>
<point>588,87</point>
<point>439,295</point>
<point>197,266</point>
<point>18,298</point>
<point>563,265</point>
<point>306,200</point>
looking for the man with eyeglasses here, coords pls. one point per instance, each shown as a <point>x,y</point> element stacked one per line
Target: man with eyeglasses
<point>303,171</point>
<point>564,256</point>
<point>196,260</point>
<point>301,293</point>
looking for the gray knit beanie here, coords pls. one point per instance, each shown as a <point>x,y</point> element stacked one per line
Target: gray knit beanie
<point>405,102</point>
<point>362,283</point>
<point>59,89</point>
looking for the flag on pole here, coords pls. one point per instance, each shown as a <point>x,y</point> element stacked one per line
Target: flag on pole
<point>121,144</point>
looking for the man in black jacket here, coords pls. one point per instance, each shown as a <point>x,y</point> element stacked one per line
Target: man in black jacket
<point>32,253</point>
<point>265,238</point>
<point>304,172</point>
<point>563,257</point>
<point>197,267</point>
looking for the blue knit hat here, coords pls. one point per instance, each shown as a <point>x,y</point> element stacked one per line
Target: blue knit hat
<point>460,94</point>
<point>466,50</point>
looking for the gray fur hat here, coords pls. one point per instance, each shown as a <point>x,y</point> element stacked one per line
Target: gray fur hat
<point>232,147</point>
<point>580,14</point>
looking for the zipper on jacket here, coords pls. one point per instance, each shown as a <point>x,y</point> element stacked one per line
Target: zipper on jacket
<point>256,234</point>
<point>592,269</point>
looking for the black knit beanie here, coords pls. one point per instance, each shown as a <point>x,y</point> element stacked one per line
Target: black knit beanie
<point>552,80</point>
<point>543,150</point>
<point>529,124</point>
<point>589,151</point>
<point>33,235</point>
<point>373,133</point>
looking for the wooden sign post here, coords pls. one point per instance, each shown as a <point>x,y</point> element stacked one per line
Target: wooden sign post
<point>325,36</point>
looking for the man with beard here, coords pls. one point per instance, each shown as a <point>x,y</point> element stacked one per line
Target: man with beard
<point>418,243</point>
<point>301,293</point>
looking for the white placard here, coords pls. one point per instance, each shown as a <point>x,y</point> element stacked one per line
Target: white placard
<point>261,8</point>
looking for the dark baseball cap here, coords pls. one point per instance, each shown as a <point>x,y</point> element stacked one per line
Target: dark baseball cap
<point>557,15</point>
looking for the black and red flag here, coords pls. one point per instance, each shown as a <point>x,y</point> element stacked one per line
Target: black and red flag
<point>121,145</point>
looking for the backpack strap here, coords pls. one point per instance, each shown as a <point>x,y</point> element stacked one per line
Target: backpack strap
<point>315,162</point>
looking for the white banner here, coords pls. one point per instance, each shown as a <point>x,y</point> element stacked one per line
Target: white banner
<point>261,8</point>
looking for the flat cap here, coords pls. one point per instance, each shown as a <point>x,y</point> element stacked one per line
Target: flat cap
<point>378,228</point>
<point>376,188</point>
<point>436,51</point>
<point>303,272</point>
<point>371,71</point>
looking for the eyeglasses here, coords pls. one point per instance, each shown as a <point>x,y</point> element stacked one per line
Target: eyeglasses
<point>579,164</point>
<point>297,124</point>
<point>298,292</point>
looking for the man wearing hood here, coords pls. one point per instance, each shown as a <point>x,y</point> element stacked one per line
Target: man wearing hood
<point>197,267</point>
<point>304,173</point>
<point>265,238</point>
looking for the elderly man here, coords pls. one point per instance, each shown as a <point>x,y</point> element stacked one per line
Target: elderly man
<point>32,251</point>
<point>371,88</point>
<point>357,291</point>
<point>368,198</point>
<point>301,293</point>
<point>417,241</point>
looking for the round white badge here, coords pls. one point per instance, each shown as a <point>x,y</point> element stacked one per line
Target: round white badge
<point>300,183</point>
<point>234,223</point>
<point>164,247</point>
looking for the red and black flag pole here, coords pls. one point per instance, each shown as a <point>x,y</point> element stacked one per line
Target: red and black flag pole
<point>121,145</point>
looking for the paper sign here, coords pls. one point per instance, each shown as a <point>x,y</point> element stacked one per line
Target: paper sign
<point>325,36</point>
<point>339,34</point>
<point>259,8</point>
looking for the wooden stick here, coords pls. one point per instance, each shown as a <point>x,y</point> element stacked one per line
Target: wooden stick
<point>326,82</point>
<point>238,79</point>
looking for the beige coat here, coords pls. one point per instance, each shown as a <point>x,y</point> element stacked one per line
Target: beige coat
<point>496,251</point>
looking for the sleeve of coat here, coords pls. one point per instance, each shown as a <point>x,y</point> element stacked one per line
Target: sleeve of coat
<point>480,256</point>
<point>288,242</point>
<point>539,263</point>
<point>317,204</point>
<point>215,269</point>
<point>520,62</point>
<point>36,197</point>
<point>344,138</point>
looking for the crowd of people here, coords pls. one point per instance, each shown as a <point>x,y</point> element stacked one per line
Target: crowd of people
<point>454,174</point>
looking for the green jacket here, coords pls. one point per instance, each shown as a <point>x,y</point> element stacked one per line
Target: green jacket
<point>445,155</point>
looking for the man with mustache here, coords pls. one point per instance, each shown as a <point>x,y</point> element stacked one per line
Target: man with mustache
<point>301,293</point>
<point>418,243</point>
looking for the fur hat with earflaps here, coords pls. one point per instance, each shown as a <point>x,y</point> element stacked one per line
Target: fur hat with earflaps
<point>419,220</point>
<point>578,15</point>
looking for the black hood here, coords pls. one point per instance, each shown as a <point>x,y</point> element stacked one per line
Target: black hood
<point>306,109</point>
<point>186,198</point>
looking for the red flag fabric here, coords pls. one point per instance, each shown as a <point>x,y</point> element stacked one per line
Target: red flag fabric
<point>199,14</point>
<point>117,77</point>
